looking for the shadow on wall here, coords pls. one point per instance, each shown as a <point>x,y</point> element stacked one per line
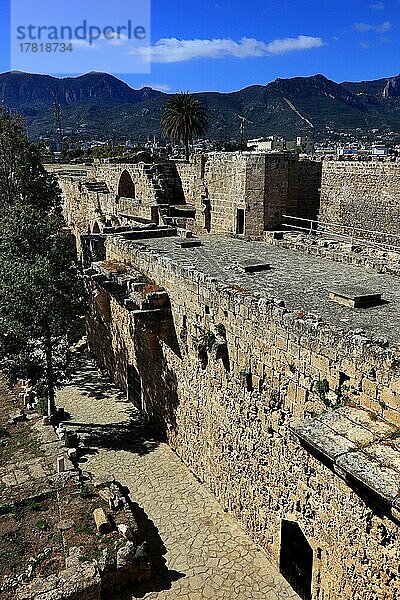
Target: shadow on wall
<point>126,187</point>
<point>178,193</point>
<point>93,249</point>
<point>112,360</point>
<point>154,381</point>
<point>159,382</point>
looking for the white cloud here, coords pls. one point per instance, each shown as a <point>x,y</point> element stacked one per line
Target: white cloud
<point>101,42</point>
<point>171,50</point>
<point>161,87</point>
<point>377,6</point>
<point>118,39</point>
<point>380,28</point>
<point>83,44</point>
<point>302,42</point>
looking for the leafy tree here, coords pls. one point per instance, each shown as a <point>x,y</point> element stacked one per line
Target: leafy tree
<point>184,116</point>
<point>41,297</point>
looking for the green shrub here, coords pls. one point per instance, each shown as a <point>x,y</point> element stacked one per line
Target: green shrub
<point>42,525</point>
<point>322,388</point>
<point>84,492</point>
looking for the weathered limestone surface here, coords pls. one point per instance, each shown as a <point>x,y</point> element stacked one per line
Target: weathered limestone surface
<point>264,186</point>
<point>197,551</point>
<point>238,360</point>
<point>227,416</point>
<point>358,253</point>
<point>81,583</point>
<point>361,194</point>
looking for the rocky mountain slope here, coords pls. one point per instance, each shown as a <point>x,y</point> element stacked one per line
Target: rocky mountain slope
<point>98,104</point>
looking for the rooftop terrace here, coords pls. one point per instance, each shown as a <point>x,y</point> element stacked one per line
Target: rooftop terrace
<point>302,281</point>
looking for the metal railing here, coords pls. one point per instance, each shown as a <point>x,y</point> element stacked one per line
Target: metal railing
<point>350,233</point>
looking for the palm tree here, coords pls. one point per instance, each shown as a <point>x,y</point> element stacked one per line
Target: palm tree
<point>183,117</point>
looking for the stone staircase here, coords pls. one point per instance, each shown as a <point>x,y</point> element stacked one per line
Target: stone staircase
<point>99,187</point>
<point>165,182</point>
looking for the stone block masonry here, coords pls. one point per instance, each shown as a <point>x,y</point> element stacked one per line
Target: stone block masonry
<point>224,374</point>
<point>221,193</point>
<point>361,194</point>
<point>263,186</point>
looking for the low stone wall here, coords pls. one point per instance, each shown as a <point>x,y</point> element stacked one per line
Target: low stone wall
<point>357,253</point>
<point>226,412</point>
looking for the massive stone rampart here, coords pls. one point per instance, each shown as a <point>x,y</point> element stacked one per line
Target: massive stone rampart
<point>228,193</point>
<point>225,377</point>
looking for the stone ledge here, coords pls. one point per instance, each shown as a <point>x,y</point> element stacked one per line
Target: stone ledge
<point>358,254</point>
<point>355,298</point>
<point>358,447</point>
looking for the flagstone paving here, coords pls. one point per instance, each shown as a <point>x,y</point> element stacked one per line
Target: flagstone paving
<point>197,550</point>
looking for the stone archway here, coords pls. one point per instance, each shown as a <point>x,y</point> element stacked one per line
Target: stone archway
<point>126,187</point>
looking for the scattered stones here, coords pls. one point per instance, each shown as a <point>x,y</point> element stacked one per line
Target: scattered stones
<point>126,531</point>
<point>102,521</point>
<point>74,557</point>
<point>126,554</point>
<point>60,464</point>
<point>66,524</point>
<point>71,584</point>
<point>18,418</point>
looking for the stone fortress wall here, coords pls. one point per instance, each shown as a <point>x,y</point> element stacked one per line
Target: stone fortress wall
<point>230,420</point>
<point>263,187</point>
<point>228,376</point>
<point>229,193</point>
<point>361,194</point>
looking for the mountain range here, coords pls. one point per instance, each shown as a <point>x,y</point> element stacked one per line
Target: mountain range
<point>99,104</point>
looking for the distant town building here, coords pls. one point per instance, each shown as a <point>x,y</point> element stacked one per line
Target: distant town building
<point>380,150</point>
<point>273,143</point>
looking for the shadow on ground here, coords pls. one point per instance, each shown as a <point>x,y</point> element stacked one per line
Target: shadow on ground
<point>162,577</point>
<point>133,437</point>
<point>87,380</point>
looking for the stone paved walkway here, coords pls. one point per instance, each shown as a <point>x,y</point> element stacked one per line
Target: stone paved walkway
<point>24,466</point>
<point>197,550</point>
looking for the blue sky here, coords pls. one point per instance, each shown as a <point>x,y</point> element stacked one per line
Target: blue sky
<point>224,45</point>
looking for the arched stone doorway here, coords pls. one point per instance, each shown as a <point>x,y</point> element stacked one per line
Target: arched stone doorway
<point>126,187</point>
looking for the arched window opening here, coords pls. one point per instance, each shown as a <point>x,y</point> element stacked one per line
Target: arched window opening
<point>96,228</point>
<point>126,187</point>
